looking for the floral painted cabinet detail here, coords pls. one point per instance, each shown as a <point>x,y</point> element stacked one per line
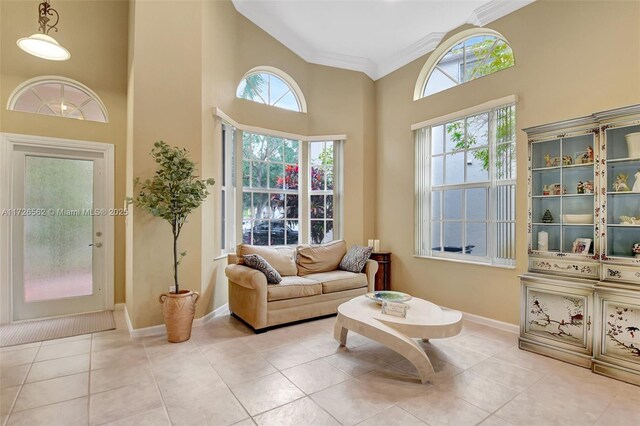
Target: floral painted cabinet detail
<point>557,318</point>
<point>617,349</point>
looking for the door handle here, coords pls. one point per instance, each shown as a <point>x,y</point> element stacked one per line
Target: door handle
<point>97,245</point>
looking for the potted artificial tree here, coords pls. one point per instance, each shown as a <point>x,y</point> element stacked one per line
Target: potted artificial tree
<point>172,194</point>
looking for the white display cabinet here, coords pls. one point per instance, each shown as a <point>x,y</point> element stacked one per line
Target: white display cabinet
<point>584,243</point>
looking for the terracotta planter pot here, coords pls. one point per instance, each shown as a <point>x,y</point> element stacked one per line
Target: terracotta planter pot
<point>179,310</point>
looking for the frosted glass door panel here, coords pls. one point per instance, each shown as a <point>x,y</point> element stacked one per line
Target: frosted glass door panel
<point>58,257</point>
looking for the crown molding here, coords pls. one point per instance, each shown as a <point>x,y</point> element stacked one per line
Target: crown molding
<point>354,63</point>
<point>411,53</point>
<point>495,9</point>
<point>261,16</point>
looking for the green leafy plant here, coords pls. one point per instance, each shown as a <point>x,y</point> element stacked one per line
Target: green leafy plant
<point>172,193</point>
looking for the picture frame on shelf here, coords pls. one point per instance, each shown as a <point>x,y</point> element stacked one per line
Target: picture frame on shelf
<point>581,245</point>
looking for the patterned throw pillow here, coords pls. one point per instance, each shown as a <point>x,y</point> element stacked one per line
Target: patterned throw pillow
<point>256,261</point>
<point>355,259</point>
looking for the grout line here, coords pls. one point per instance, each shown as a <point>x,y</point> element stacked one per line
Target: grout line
<point>155,380</point>
<point>15,401</point>
<point>89,380</point>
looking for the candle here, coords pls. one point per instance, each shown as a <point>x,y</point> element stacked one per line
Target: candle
<point>370,243</point>
<point>543,241</point>
<point>376,245</point>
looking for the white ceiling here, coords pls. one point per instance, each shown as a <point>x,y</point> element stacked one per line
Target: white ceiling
<point>372,36</point>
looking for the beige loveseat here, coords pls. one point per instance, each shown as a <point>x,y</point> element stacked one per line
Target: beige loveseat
<point>311,286</point>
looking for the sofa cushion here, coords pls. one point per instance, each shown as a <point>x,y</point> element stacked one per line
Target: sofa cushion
<point>292,287</point>
<point>281,258</point>
<point>312,259</point>
<point>256,261</point>
<point>339,280</point>
<point>355,259</point>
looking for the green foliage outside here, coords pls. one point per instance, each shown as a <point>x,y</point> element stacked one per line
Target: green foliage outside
<point>459,133</point>
<point>493,56</point>
<point>252,87</point>
<point>172,193</point>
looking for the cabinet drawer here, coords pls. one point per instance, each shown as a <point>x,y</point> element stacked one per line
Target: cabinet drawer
<point>618,273</point>
<point>568,267</point>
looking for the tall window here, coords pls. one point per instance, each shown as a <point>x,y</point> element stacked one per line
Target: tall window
<point>291,189</point>
<point>466,56</point>
<point>465,173</point>
<point>270,196</point>
<point>271,86</point>
<point>321,192</point>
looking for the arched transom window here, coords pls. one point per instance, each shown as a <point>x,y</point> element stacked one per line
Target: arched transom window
<point>58,96</point>
<point>271,86</point>
<point>466,56</point>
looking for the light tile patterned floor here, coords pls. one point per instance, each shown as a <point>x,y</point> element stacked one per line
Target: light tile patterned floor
<point>298,375</point>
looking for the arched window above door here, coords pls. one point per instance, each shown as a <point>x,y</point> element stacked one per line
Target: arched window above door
<point>58,96</point>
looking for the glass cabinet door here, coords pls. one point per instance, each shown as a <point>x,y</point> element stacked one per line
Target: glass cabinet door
<point>563,187</point>
<point>623,192</point>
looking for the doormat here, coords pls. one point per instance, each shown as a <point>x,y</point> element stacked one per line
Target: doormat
<point>55,328</point>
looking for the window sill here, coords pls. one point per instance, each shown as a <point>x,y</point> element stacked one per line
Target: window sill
<point>446,259</point>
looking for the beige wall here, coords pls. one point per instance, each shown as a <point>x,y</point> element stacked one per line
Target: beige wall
<point>572,59</point>
<point>197,62</point>
<point>98,60</point>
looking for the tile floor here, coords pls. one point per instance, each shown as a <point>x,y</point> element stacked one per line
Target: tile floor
<point>298,375</point>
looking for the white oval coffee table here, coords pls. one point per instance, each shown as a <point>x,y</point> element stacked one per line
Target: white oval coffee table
<point>424,320</point>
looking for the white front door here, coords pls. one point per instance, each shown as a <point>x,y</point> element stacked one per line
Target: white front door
<point>59,231</point>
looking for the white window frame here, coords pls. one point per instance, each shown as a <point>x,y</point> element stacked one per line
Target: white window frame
<point>233,201</point>
<point>423,190</point>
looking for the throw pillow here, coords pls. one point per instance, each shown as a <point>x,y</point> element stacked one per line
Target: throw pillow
<point>256,261</point>
<point>355,259</point>
<point>281,258</point>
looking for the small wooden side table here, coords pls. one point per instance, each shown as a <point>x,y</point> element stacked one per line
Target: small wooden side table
<point>383,276</point>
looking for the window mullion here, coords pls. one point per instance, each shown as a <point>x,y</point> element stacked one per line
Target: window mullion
<point>304,198</point>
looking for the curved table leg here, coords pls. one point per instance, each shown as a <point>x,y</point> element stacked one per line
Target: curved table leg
<point>339,332</point>
<point>388,337</point>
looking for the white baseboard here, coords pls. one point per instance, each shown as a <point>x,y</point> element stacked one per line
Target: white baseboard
<point>500,325</point>
<point>218,312</point>
<point>158,330</point>
<point>128,320</point>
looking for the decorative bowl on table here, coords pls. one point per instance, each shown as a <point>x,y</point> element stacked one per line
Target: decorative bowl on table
<point>578,218</point>
<point>388,296</point>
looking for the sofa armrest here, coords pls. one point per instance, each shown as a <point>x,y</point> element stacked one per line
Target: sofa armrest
<point>246,277</point>
<point>248,294</point>
<point>370,269</point>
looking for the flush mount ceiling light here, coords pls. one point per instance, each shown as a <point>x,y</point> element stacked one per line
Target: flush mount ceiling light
<point>42,44</point>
